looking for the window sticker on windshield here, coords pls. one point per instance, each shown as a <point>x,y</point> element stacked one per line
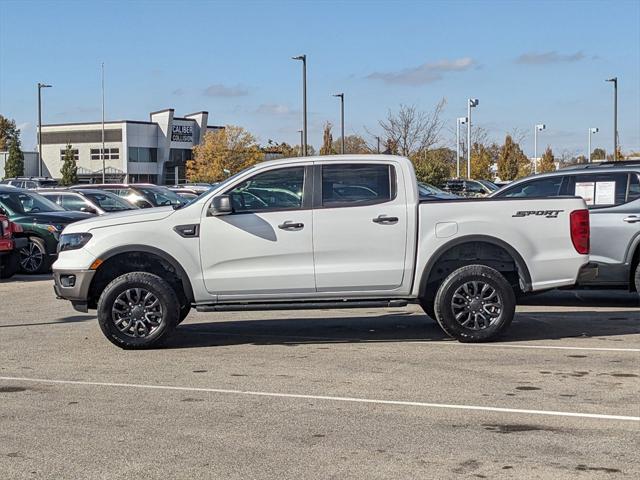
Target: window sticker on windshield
<point>605,193</point>
<point>585,190</point>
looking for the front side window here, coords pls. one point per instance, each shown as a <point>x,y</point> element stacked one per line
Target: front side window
<point>25,203</point>
<point>542,187</point>
<point>357,184</point>
<point>73,202</point>
<point>280,189</point>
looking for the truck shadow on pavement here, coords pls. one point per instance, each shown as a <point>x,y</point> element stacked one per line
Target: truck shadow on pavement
<point>399,327</point>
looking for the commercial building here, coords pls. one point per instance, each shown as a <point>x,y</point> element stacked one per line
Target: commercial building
<point>134,151</point>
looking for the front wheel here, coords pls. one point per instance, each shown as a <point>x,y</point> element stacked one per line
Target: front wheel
<point>33,257</point>
<point>637,278</point>
<point>138,310</point>
<point>475,304</point>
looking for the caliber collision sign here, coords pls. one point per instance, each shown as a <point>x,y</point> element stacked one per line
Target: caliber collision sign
<point>182,133</point>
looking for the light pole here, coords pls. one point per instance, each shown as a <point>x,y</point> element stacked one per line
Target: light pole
<point>615,116</point>
<point>538,128</point>
<point>303,58</point>
<point>592,130</point>
<point>459,121</point>
<point>341,96</point>
<point>103,161</point>
<point>301,141</point>
<point>473,102</point>
<point>378,139</point>
<point>40,87</point>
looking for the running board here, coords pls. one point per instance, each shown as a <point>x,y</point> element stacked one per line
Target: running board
<point>311,305</point>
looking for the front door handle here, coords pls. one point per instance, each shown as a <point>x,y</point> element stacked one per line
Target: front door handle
<point>289,225</point>
<point>632,219</point>
<point>385,220</point>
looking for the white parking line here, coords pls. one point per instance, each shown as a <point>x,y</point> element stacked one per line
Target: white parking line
<point>327,398</point>
<point>447,343</point>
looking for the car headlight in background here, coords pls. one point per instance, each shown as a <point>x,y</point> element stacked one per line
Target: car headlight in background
<point>73,241</point>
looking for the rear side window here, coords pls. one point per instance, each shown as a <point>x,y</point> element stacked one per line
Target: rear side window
<point>357,184</point>
<point>599,189</point>
<point>72,202</point>
<point>542,187</point>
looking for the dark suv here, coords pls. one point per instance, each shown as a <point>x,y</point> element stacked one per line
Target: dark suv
<point>41,220</point>
<point>612,193</point>
<point>142,195</point>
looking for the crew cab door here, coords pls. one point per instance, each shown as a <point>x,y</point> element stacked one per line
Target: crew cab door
<point>264,247</point>
<point>359,227</point>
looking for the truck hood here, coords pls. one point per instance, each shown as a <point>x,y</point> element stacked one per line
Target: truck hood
<point>120,218</point>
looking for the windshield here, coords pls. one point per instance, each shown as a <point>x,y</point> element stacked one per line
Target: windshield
<point>109,202</point>
<point>428,189</point>
<point>19,203</point>
<point>161,196</point>
<point>490,185</point>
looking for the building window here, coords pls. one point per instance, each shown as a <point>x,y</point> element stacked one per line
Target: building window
<point>109,154</point>
<point>143,154</point>
<point>76,155</point>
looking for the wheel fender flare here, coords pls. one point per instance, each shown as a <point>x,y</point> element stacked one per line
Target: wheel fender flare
<point>523,270</point>
<point>182,274</point>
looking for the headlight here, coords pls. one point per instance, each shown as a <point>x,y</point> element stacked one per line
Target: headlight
<point>73,241</point>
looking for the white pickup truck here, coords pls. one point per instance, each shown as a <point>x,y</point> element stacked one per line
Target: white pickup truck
<point>321,232</point>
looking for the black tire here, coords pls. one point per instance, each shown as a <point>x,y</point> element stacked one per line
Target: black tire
<point>498,308</point>
<point>637,278</point>
<point>184,311</point>
<point>9,265</point>
<point>34,258</point>
<point>429,308</point>
<point>166,312</point>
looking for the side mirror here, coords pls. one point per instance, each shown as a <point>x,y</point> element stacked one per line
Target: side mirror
<point>221,205</point>
<point>89,210</point>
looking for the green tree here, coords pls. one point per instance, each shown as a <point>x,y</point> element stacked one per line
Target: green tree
<point>14,166</point>
<point>69,168</point>
<point>547,162</point>
<point>352,144</point>
<point>598,154</point>
<point>512,162</point>
<point>434,166</point>
<point>8,132</point>
<point>222,153</point>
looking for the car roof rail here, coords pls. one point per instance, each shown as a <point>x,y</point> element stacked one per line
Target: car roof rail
<point>607,164</point>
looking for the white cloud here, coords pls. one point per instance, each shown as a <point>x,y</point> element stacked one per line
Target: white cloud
<point>425,73</point>
<point>546,58</point>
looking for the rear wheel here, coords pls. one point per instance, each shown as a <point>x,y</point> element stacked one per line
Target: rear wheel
<point>33,257</point>
<point>475,304</point>
<point>637,278</point>
<point>138,310</point>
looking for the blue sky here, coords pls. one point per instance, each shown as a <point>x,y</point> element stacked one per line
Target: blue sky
<point>527,62</point>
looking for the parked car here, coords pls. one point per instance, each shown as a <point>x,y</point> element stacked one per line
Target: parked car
<point>10,245</point>
<point>186,193</point>
<point>30,183</point>
<point>460,259</point>
<point>467,188</point>
<point>97,202</point>
<point>42,222</point>
<point>426,191</point>
<point>612,193</point>
<point>197,187</point>
<point>142,195</point>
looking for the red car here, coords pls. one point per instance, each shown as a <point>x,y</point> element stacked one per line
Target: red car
<point>10,246</point>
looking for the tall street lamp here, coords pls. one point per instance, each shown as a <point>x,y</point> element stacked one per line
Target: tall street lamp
<point>301,141</point>
<point>459,121</point>
<point>592,130</point>
<point>378,139</point>
<point>473,102</point>
<point>341,96</point>
<point>538,128</point>
<point>104,167</point>
<point>614,80</point>
<point>40,87</point>
<point>303,58</point>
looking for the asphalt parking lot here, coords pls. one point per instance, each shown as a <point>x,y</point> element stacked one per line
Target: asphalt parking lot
<point>321,394</point>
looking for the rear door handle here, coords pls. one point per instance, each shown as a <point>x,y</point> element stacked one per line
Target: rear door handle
<point>385,220</point>
<point>289,225</point>
<point>632,219</point>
